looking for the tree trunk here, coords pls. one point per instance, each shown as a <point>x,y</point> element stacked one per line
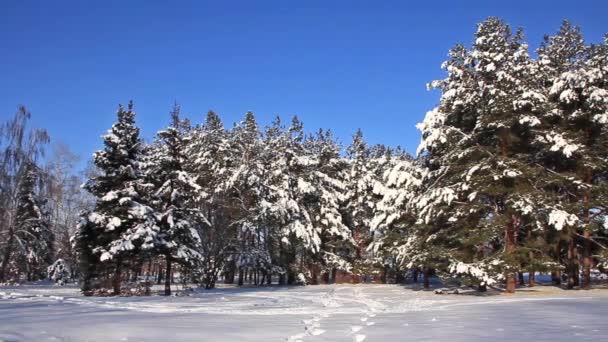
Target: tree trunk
<point>531,257</point>
<point>572,265</point>
<point>168,276</point>
<point>556,278</point>
<point>241,277</point>
<point>230,272</point>
<point>282,279</point>
<point>520,275</point>
<point>117,279</point>
<point>425,278</point>
<point>384,276</point>
<point>291,278</point>
<point>531,278</point>
<point>399,277</point>
<point>509,249</point>
<point>7,255</point>
<point>159,279</point>
<point>314,276</point>
<point>586,284</point>
<point>510,283</point>
<point>415,275</point>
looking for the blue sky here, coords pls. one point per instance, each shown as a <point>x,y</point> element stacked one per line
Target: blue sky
<point>336,64</point>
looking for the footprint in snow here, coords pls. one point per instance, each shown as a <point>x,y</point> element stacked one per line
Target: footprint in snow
<point>359,338</point>
<point>317,332</point>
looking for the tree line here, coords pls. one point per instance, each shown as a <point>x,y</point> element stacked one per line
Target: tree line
<point>510,178</point>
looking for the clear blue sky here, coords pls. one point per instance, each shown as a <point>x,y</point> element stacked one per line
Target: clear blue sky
<point>336,64</point>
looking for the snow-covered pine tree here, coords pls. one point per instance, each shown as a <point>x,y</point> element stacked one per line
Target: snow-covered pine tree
<point>121,225</point>
<point>361,200</point>
<point>277,207</point>
<point>287,191</point>
<point>246,189</point>
<point>324,185</point>
<point>211,160</point>
<point>175,196</point>
<point>34,236</point>
<point>572,147</point>
<point>478,195</point>
<point>395,242</point>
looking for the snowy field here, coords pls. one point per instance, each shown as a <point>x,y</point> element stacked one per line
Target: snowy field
<point>313,313</point>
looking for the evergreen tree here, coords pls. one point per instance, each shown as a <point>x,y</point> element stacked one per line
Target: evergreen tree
<point>573,145</point>
<point>175,197</point>
<point>121,225</point>
<point>34,236</point>
<point>478,184</point>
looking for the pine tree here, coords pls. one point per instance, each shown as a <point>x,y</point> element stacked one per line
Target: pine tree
<point>573,145</point>
<point>395,239</point>
<point>360,181</point>
<point>328,190</point>
<point>122,225</point>
<point>33,231</point>
<point>478,185</point>
<point>174,196</point>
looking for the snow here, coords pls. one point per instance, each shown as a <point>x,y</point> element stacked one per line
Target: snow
<point>560,219</point>
<point>313,313</point>
<point>561,144</point>
<point>568,96</point>
<point>96,218</point>
<point>531,121</point>
<point>472,270</point>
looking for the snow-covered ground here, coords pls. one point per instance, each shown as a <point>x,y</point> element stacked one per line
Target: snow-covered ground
<point>313,313</point>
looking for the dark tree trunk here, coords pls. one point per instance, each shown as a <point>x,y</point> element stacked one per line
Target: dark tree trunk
<point>384,276</point>
<point>572,265</point>
<point>531,278</point>
<point>399,276</point>
<point>230,273</point>
<point>425,274</point>
<point>520,275</point>
<point>168,276</point>
<point>332,277</point>
<point>510,247</point>
<point>586,282</point>
<point>241,277</point>
<point>314,277</point>
<point>160,277</point>
<point>7,255</point>
<point>117,279</point>
<point>282,279</point>
<point>556,278</point>
<point>415,275</point>
<point>482,287</point>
